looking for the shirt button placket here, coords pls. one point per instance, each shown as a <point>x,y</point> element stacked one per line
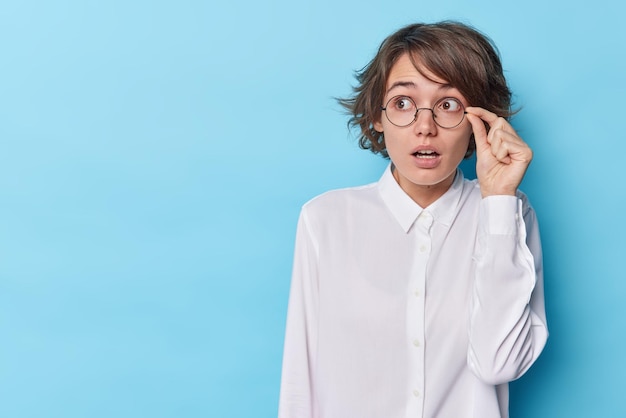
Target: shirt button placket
<point>416,330</point>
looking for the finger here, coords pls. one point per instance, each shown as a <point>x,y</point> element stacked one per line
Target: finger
<point>483,114</point>
<point>491,118</point>
<point>500,150</point>
<point>480,131</point>
<point>508,147</point>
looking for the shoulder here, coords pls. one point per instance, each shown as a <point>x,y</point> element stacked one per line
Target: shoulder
<point>341,199</point>
<point>336,208</point>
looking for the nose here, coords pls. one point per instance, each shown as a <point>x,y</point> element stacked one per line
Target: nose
<point>424,122</point>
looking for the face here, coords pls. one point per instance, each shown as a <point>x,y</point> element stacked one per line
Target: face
<point>424,154</point>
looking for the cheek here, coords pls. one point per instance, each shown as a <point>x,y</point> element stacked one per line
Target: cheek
<point>467,135</point>
<point>462,144</point>
<point>394,145</point>
<point>393,135</point>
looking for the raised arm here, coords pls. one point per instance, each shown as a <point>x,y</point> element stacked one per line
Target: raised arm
<point>508,323</point>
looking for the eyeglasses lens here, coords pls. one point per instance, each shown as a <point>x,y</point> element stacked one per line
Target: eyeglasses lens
<point>447,112</point>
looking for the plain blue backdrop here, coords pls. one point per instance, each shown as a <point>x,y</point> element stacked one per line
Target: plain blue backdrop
<point>154,156</point>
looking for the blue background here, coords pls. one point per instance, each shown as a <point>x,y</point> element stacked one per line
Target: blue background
<point>154,156</point>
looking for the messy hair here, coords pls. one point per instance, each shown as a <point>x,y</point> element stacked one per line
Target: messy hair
<point>457,53</point>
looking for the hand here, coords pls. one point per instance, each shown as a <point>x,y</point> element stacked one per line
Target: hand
<point>502,157</point>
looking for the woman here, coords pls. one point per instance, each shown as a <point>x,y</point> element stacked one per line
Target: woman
<point>420,295</point>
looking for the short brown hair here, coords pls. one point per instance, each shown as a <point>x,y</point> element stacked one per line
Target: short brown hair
<point>453,51</point>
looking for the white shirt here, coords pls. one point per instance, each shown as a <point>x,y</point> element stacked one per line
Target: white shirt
<point>401,312</point>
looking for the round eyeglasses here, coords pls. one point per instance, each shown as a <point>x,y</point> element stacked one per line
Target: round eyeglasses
<point>447,112</point>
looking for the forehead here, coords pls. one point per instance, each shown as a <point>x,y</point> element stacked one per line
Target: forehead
<point>410,68</point>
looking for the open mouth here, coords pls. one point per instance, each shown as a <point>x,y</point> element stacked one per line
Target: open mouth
<point>426,154</point>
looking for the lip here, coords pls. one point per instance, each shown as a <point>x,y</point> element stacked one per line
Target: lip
<point>426,161</point>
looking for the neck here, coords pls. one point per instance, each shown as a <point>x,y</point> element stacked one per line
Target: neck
<point>424,195</point>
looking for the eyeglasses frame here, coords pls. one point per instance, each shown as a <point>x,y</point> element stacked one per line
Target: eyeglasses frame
<point>417,109</point>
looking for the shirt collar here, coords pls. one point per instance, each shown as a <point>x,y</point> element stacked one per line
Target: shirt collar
<point>406,211</point>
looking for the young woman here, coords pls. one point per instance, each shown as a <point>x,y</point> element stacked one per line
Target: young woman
<point>420,295</point>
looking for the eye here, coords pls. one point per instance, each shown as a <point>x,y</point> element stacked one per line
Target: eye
<point>403,103</point>
<point>449,104</point>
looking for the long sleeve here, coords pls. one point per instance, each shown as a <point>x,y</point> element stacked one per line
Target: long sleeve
<point>507,324</point>
<point>296,394</point>
<point>399,311</point>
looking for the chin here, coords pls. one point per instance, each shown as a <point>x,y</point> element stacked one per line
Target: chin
<point>430,179</point>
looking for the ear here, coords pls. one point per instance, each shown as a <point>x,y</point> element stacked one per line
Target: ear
<point>378,126</point>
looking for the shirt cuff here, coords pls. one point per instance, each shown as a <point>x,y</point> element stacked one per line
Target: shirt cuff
<point>500,215</point>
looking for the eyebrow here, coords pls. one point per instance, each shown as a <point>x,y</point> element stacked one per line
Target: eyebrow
<point>410,84</point>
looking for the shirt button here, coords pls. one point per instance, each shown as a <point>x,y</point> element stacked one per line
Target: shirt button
<point>416,343</point>
<point>416,393</point>
<point>417,293</point>
<point>426,219</point>
<point>422,248</point>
